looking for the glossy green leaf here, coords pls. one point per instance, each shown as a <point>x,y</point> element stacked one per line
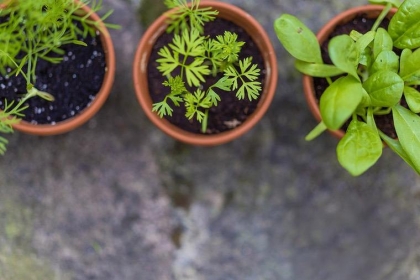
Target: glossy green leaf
<point>297,39</point>
<point>404,26</point>
<point>317,70</point>
<point>404,61</point>
<point>412,96</point>
<point>395,146</point>
<point>407,125</point>
<point>344,54</point>
<point>360,148</point>
<point>364,41</point>
<point>386,60</point>
<point>363,46</point>
<point>382,42</point>
<point>385,88</point>
<point>395,3</point>
<point>339,101</point>
<point>410,65</point>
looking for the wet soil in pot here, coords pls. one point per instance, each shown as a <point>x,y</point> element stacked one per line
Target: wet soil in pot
<point>230,111</point>
<point>74,83</point>
<point>362,24</point>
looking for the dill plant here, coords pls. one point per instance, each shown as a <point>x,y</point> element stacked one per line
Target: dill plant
<point>192,57</point>
<point>31,30</point>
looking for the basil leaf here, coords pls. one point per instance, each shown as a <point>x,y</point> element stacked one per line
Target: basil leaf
<point>412,96</point>
<point>317,70</point>
<point>360,148</point>
<point>339,101</point>
<point>404,26</point>
<point>395,3</point>
<point>409,65</point>
<point>382,42</point>
<point>344,54</point>
<point>407,125</point>
<point>385,88</point>
<point>395,146</point>
<point>297,39</point>
<point>386,60</point>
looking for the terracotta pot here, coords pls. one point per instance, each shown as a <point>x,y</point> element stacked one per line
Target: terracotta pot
<point>96,104</point>
<point>258,34</point>
<point>371,11</point>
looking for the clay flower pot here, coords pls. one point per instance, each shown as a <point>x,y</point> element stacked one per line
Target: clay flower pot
<point>371,11</point>
<point>95,105</point>
<point>258,34</point>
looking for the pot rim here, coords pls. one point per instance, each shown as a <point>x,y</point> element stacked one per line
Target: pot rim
<point>100,98</point>
<point>258,34</point>
<point>322,35</point>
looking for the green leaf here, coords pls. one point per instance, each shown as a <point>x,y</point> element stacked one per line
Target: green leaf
<point>409,65</point>
<point>162,108</point>
<point>385,88</point>
<point>395,3</point>
<point>247,75</point>
<point>404,26</point>
<point>407,125</point>
<point>386,60</point>
<point>195,102</point>
<point>196,71</point>
<point>227,46</point>
<point>339,101</point>
<point>298,39</point>
<point>360,148</point>
<point>344,54</point>
<point>317,70</point>
<point>412,96</point>
<point>167,62</point>
<point>395,146</point>
<point>382,42</point>
<point>364,41</point>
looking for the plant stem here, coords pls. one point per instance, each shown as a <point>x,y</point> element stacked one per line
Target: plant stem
<point>205,121</point>
<point>381,17</point>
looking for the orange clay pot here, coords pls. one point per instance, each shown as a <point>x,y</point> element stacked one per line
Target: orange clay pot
<point>371,11</point>
<point>258,34</point>
<point>95,105</point>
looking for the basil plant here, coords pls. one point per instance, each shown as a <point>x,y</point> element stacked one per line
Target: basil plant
<point>372,72</point>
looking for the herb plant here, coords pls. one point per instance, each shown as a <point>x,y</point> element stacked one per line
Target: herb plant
<point>33,30</point>
<point>192,57</point>
<point>372,73</point>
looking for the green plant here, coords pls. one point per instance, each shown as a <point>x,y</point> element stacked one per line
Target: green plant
<point>373,72</point>
<point>33,30</point>
<point>192,57</point>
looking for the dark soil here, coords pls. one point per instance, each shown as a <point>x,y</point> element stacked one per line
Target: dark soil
<point>74,83</point>
<point>230,111</point>
<point>362,24</point>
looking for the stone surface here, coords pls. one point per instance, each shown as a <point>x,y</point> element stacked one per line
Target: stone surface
<point>118,199</point>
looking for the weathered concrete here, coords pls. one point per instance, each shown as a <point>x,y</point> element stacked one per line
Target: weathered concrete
<point>117,199</point>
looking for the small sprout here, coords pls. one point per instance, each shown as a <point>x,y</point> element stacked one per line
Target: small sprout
<point>196,57</point>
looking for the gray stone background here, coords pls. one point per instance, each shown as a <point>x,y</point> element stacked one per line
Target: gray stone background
<point>118,199</point>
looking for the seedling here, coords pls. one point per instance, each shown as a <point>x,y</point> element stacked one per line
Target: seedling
<point>192,57</point>
<point>371,78</point>
<point>33,30</point>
